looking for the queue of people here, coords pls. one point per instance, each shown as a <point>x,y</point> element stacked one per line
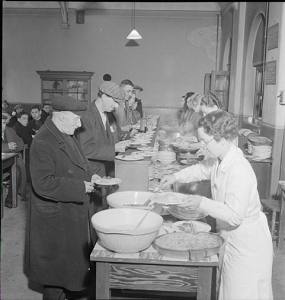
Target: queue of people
<point>73,147</point>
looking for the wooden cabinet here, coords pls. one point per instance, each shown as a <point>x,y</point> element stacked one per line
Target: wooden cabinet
<point>72,83</point>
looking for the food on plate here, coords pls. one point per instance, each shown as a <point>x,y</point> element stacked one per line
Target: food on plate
<point>107,180</point>
<point>183,241</point>
<point>168,198</point>
<point>191,226</point>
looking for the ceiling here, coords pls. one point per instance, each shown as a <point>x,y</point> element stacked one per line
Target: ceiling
<point>177,6</point>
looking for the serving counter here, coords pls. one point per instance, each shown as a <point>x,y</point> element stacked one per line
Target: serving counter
<point>150,271</point>
<point>134,173</point>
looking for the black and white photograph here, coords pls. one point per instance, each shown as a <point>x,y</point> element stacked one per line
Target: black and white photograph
<point>143,150</point>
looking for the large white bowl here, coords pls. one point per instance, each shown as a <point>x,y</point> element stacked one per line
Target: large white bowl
<point>131,199</point>
<point>115,229</point>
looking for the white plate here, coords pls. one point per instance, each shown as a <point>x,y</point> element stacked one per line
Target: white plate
<point>146,148</point>
<point>149,153</point>
<point>167,198</point>
<point>107,181</point>
<point>129,157</point>
<point>188,162</point>
<point>186,226</point>
<point>181,226</point>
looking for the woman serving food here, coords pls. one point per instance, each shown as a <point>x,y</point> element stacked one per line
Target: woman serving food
<point>246,256</point>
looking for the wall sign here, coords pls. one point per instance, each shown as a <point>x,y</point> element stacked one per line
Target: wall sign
<point>270,72</point>
<point>272,36</point>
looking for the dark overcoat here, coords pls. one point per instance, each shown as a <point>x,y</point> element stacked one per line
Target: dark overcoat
<point>57,245</point>
<point>96,142</point>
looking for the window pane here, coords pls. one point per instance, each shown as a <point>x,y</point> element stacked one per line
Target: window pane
<point>52,84</point>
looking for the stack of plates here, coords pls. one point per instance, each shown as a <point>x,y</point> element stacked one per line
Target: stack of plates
<point>259,146</point>
<point>166,157</point>
<point>261,152</point>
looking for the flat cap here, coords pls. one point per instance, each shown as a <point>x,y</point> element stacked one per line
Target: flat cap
<point>111,89</point>
<point>137,87</point>
<point>67,103</point>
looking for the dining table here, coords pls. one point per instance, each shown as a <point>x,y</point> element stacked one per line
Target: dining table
<point>9,161</point>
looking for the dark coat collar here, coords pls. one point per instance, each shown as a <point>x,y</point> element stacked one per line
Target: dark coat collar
<point>62,145</point>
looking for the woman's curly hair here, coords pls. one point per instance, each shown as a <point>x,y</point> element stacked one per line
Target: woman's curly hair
<point>194,100</point>
<point>220,124</point>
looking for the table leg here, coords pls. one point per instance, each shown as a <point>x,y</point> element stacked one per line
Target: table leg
<point>14,182</point>
<point>204,290</point>
<point>102,281</point>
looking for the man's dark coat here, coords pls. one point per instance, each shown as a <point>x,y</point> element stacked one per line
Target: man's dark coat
<point>96,142</point>
<point>57,246</point>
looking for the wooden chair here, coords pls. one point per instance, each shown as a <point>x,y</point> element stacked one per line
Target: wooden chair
<point>4,191</point>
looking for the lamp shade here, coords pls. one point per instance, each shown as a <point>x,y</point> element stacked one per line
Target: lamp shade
<point>134,35</point>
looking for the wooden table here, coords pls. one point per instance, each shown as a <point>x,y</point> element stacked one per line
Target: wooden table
<point>9,161</point>
<point>149,271</point>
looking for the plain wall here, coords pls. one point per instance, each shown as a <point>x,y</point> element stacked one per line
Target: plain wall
<point>176,51</point>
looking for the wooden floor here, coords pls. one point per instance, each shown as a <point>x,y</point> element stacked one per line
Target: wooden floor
<point>14,284</point>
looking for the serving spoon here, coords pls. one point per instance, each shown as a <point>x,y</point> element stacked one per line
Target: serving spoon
<point>131,231</point>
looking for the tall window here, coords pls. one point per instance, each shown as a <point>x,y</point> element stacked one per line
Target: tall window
<point>258,64</point>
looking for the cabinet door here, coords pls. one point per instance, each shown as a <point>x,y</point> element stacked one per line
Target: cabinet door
<point>52,88</point>
<point>77,89</point>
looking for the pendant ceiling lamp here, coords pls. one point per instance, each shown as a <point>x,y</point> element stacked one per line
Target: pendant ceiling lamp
<point>134,34</point>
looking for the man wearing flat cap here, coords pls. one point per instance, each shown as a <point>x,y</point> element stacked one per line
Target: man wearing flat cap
<point>127,113</point>
<point>95,135</point>
<point>58,230</point>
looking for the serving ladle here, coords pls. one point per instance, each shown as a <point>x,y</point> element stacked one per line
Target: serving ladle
<point>132,231</point>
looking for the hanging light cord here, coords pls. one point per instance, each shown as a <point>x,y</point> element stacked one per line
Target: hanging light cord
<point>134,14</point>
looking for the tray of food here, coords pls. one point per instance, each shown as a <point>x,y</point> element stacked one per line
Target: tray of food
<point>188,245</point>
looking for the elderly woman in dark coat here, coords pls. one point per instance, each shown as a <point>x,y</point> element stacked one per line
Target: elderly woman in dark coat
<point>58,244</point>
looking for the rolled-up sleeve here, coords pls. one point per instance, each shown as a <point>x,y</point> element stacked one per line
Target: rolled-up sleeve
<point>201,171</point>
